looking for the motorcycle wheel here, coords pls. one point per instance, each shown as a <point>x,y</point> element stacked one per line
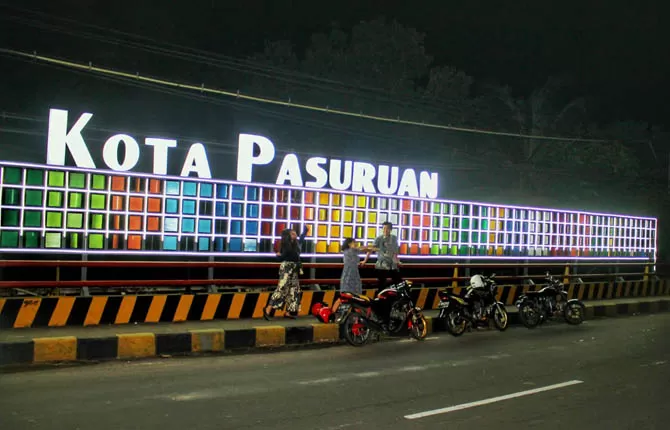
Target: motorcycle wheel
<point>574,313</point>
<point>356,330</point>
<point>453,327</point>
<point>529,315</point>
<point>500,318</point>
<point>419,329</point>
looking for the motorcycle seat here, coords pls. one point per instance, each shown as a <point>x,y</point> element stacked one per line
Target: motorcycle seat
<point>354,296</point>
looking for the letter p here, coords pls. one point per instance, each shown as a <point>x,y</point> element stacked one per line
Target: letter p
<point>245,155</point>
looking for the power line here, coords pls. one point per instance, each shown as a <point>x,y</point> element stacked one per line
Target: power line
<point>238,95</point>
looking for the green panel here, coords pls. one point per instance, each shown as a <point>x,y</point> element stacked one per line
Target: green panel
<point>445,208</point>
<point>35,177</point>
<point>54,219</point>
<point>475,237</point>
<point>464,236</point>
<point>9,239</point>
<point>11,196</point>
<point>446,221</point>
<point>465,223</point>
<point>464,250</point>
<point>98,182</point>
<point>454,250</point>
<point>76,200</point>
<point>10,217</point>
<point>444,250</point>
<point>75,220</point>
<point>55,199</point>
<point>12,175</point>
<point>485,224</point>
<point>436,208</point>
<point>31,239</point>
<point>56,179</point>
<point>484,211</point>
<point>53,240</point>
<point>95,241</point>
<point>97,221</point>
<point>445,236</point>
<point>435,236</point>
<point>32,219</point>
<point>436,221</point>
<point>435,250</point>
<point>97,201</point>
<point>77,180</point>
<point>34,197</point>
<point>73,240</point>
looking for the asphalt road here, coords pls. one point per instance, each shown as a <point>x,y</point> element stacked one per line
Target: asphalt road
<point>616,374</point>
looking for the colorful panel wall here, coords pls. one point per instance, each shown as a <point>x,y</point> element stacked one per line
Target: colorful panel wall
<point>47,209</point>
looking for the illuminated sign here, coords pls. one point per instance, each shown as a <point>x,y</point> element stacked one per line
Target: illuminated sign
<point>47,209</point>
<point>339,175</point>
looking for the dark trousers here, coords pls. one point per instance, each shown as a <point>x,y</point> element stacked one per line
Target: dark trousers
<point>383,275</point>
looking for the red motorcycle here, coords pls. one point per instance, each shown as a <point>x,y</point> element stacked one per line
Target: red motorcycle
<point>392,310</point>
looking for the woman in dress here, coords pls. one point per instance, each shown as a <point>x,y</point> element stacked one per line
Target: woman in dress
<point>287,293</point>
<point>350,281</point>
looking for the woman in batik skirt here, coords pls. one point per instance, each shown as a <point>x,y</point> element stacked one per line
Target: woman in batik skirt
<point>287,294</point>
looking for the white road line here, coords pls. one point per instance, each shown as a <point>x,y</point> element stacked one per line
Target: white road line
<point>490,400</point>
<point>318,381</point>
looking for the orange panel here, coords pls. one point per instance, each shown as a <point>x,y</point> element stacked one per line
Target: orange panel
<point>153,223</point>
<point>136,204</point>
<point>425,249</point>
<point>156,309</point>
<point>154,205</point>
<point>134,242</point>
<point>117,203</point>
<point>407,205</point>
<point>309,197</point>
<point>118,183</point>
<point>416,220</point>
<point>135,223</point>
<point>403,248</point>
<point>154,186</point>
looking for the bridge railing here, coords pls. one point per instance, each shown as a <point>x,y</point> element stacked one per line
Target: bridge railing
<point>513,273</point>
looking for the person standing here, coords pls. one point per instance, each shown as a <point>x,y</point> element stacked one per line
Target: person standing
<point>350,281</point>
<point>287,293</point>
<point>388,264</point>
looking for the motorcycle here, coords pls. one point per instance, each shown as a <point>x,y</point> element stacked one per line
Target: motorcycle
<point>536,307</point>
<point>477,308</point>
<point>392,310</point>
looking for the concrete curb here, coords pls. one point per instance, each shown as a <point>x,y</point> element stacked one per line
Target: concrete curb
<point>70,349</point>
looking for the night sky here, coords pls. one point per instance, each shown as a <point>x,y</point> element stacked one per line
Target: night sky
<point>616,51</point>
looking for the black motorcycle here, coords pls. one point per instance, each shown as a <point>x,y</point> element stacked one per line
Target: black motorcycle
<point>477,308</point>
<point>536,307</point>
<point>392,310</point>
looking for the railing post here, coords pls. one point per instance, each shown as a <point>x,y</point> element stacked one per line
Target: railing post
<point>84,276</point>
<point>211,288</point>
<point>566,275</point>
<point>454,282</point>
<point>645,277</point>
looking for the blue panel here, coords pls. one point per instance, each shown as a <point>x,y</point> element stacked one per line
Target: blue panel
<point>236,210</point>
<point>188,207</point>
<point>252,210</point>
<point>235,245</point>
<point>206,190</point>
<point>172,188</point>
<point>205,226</point>
<point>221,209</point>
<point>203,244</point>
<point>170,243</point>
<point>171,206</point>
<point>190,189</point>
<point>188,225</point>
<point>250,245</point>
<point>252,194</point>
<point>171,225</point>
<point>222,191</point>
<point>252,227</point>
<point>236,227</point>
<point>219,244</point>
<point>238,192</point>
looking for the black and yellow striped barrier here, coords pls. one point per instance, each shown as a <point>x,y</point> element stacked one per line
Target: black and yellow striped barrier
<point>130,309</point>
<point>147,345</point>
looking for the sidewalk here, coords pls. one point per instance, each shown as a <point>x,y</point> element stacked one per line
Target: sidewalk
<point>69,344</point>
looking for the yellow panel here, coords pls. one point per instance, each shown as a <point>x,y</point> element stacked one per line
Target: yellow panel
<point>334,247</point>
<point>349,201</point>
<point>359,232</point>
<point>125,310</point>
<point>360,216</point>
<point>323,214</point>
<point>55,349</point>
<point>336,215</point>
<point>321,247</point>
<point>501,213</point>
<point>27,313</point>
<point>337,199</point>
<point>94,313</point>
<point>499,251</point>
<point>155,309</point>
<point>361,202</point>
<point>309,214</point>
<point>322,230</point>
<point>372,217</point>
<point>270,336</point>
<point>348,216</point>
<point>181,314</point>
<point>335,231</point>
<point>348,231</point>
<point>324,198</point>
<point>62,311</point>
<point>136,345</point>
<point>372,232</point>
